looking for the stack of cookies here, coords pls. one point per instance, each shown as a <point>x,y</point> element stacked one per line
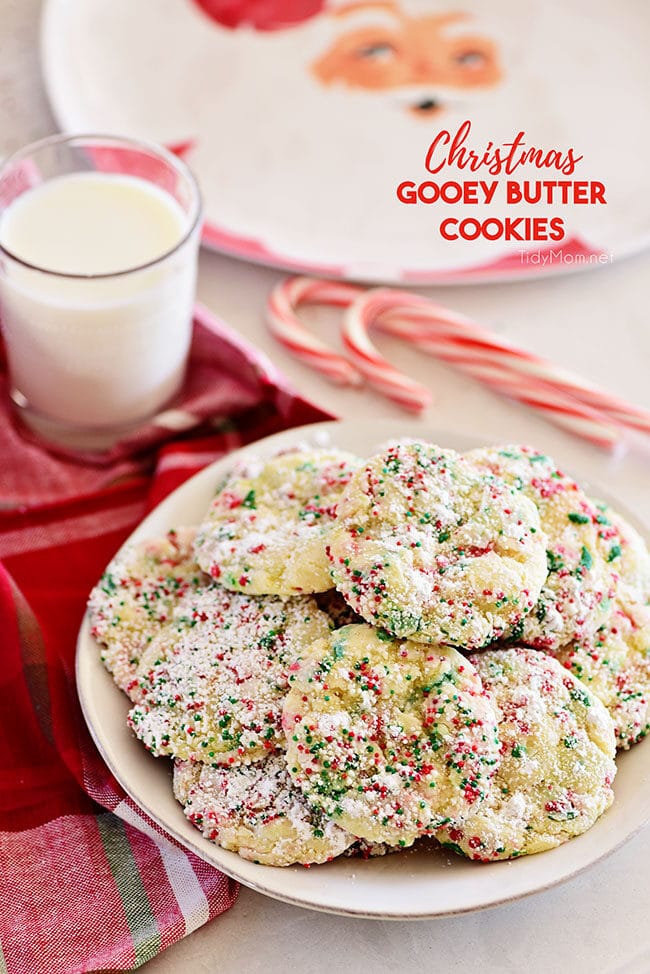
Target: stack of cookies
<point>349,655</point>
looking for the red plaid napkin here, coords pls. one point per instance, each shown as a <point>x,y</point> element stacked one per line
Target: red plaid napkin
<point>87,880</point>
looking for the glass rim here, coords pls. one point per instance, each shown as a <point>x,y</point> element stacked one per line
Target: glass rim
<point>152,148</point>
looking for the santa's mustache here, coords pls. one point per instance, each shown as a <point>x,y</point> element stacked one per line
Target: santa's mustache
<point>429,99</point>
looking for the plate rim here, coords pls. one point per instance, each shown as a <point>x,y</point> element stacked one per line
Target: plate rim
<point>208,852</point>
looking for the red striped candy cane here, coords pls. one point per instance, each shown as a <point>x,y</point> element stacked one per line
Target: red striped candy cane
<point>283,321</point>
<point>460,342</point>
<point>562,397</point>
<point>402,307</point>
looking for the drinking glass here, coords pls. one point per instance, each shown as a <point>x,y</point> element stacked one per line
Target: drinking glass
<point>93,355</point>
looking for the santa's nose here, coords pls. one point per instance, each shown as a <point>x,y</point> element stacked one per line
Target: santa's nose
<point>426,71</point>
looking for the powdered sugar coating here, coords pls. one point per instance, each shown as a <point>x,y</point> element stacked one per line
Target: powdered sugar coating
<point>257,811</point>
<point>614,664</point>
<point>136,598</point>
<point>216,693</point>
<point>266,530</point>
<point>186,776</point>
<point>625,552</point>
<point>557,759</point>
<point>389,737</point>
<point>427,547</point>
<point>582,578</point>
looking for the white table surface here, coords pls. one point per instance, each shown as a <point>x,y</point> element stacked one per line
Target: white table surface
<point>595,323</point>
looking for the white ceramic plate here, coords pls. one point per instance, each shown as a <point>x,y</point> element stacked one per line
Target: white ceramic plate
<point>300,136</point>
<point>413,884</point>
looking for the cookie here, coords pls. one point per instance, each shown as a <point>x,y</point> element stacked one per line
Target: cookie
<point>136,597</point>
<point>581,582</point>
<point>614,664</point>
<point>557,759</point>
<point>216,692</point>
<point>389,737</point>
<point>425,546</point>
<point>266,530</point>
<point>186,775</point>
<point>256,811</point>
<point>625,552</point>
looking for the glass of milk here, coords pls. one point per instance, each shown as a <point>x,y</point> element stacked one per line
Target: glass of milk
<point>98,255</point>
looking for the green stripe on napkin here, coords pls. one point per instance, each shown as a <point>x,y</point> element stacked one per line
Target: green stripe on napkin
<point>139,915</point>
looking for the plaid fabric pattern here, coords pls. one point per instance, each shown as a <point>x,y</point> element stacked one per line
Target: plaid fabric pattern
<point>88,881</point>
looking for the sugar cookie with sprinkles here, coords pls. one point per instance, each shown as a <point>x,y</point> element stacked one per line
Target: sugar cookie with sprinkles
<point>390,737</point>
<point>581,579</point>
<point>614,664</point>
<point>625,552</point>
<point>427,547</point>
<point>557,759</point>
<point>136,597</point>
<point>256,811</point>
<point>216,693</point>
<point>266,530</point>
<point>185,776</point>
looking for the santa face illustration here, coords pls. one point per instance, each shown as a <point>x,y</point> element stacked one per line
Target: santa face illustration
<point>394,52</point>
<point>316,102</point>
<point>378,46</point>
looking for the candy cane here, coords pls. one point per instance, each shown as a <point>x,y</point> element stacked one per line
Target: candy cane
<point>400,308</point>
<point>381,375</point>
<point>565,399</point>
<point>286,326</point>
<point>456,340</point>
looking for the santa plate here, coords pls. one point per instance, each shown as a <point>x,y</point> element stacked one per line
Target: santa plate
<point>310,125</point>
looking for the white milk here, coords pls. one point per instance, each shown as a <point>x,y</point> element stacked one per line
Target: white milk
<point>96,352</point>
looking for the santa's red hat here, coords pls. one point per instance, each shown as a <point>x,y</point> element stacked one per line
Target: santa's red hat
<point>260,14</point>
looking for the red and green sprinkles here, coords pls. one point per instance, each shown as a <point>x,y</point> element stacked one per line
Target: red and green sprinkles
<point>420,540</point>
<point>614,664</point>
<point>265,531</point>
<point>137,597</point>
<point>390,738</point>
<point>557,760</point>
<point>216,695</point>
<point>257,811</point>
<point>583,547</point>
